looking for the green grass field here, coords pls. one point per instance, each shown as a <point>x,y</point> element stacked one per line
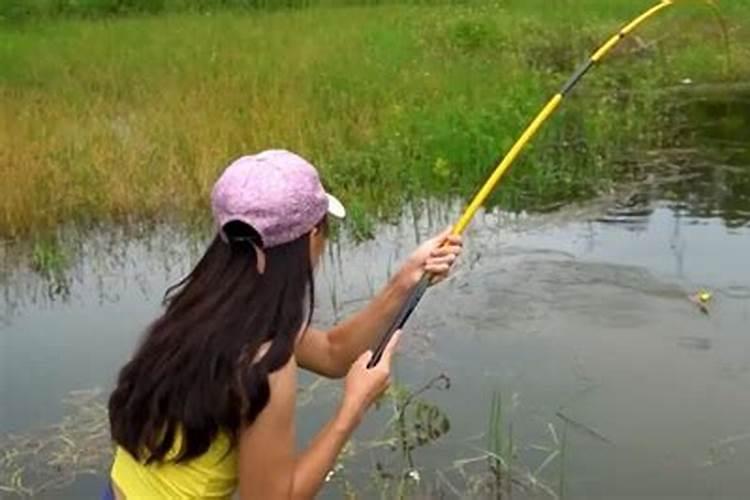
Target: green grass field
<point>132,117</point>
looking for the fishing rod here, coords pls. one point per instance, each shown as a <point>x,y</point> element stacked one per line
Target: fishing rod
<point>479,199</point>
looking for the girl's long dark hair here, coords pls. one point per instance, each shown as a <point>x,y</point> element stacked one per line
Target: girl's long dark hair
<point>196,371</point>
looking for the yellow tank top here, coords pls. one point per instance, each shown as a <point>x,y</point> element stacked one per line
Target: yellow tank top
<point>212,475</point>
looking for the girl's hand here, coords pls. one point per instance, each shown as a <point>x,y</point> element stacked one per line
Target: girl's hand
<point>364,385</point>
<point>435,257</point>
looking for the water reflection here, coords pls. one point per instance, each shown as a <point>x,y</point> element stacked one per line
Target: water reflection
<point>719,161</point>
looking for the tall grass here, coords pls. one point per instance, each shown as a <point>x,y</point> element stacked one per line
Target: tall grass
<point>29,10</point>
<point>134,117</point>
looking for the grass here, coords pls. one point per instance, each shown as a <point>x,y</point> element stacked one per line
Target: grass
<point>51,259</point>
<point>500,456</point>
<point>48,257</point>
<point>132,118</point>
<point>52,458</point>
<point>48,460</point>
<point>29,10</point>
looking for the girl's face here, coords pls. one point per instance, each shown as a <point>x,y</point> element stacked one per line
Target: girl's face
<point>318,238</point>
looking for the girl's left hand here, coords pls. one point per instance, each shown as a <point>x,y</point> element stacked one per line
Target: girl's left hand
<point>435,256</point>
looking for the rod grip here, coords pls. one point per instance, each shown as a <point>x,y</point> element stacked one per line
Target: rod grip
<point>400,320</point>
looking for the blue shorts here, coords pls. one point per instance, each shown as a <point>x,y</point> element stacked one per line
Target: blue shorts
<point>109,493</point>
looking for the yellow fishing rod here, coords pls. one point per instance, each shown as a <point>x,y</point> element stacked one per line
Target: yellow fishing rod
<point>510,157</point>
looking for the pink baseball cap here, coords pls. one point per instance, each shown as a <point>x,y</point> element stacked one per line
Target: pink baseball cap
<point>276,192</point>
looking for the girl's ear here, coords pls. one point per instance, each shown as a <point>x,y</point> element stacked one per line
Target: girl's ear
<point>321,228</point>
<point>261,260</point>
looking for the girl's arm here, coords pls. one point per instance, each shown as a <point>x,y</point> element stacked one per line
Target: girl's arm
<point>331,353</point>
<point>268,465</point>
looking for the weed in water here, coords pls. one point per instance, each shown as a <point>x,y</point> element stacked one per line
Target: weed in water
<point>48,257</point>
<point>50,260</point>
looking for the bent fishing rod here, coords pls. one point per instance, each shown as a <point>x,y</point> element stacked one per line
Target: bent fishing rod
<point>416,295</point>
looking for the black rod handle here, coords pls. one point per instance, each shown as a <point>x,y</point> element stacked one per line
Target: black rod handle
<point>403,315</point>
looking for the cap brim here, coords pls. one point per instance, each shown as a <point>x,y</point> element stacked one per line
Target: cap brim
<point>335,207</point>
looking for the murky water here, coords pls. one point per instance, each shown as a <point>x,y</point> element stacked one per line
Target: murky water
<point>580,320</point>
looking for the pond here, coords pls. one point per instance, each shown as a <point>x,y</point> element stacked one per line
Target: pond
<point>568,355</point>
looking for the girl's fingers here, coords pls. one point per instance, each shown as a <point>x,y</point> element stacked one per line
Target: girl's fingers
<point>448,247</point>
<point>447,250</point>
<point>447,237</point>
<point>364,358</point>
<point>438,269</point>
<point>443,236</point>
<point>454,239</point>
<point>390,348</point>
<point>447,259</point>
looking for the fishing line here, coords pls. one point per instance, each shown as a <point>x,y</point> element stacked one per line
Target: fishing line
<point>544,115</point>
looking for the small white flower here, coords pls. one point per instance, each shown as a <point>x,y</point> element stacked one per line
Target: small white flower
<point>687,81</point>
<point>332,472</point>
<point>414,475</point>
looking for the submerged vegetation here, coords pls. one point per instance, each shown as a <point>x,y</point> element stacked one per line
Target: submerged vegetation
<point>127,118</point>
<point>50,260</point>
<point>54,457</point>
<point>50,459</point>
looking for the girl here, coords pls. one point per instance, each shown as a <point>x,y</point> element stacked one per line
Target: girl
<point>206,406</point>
